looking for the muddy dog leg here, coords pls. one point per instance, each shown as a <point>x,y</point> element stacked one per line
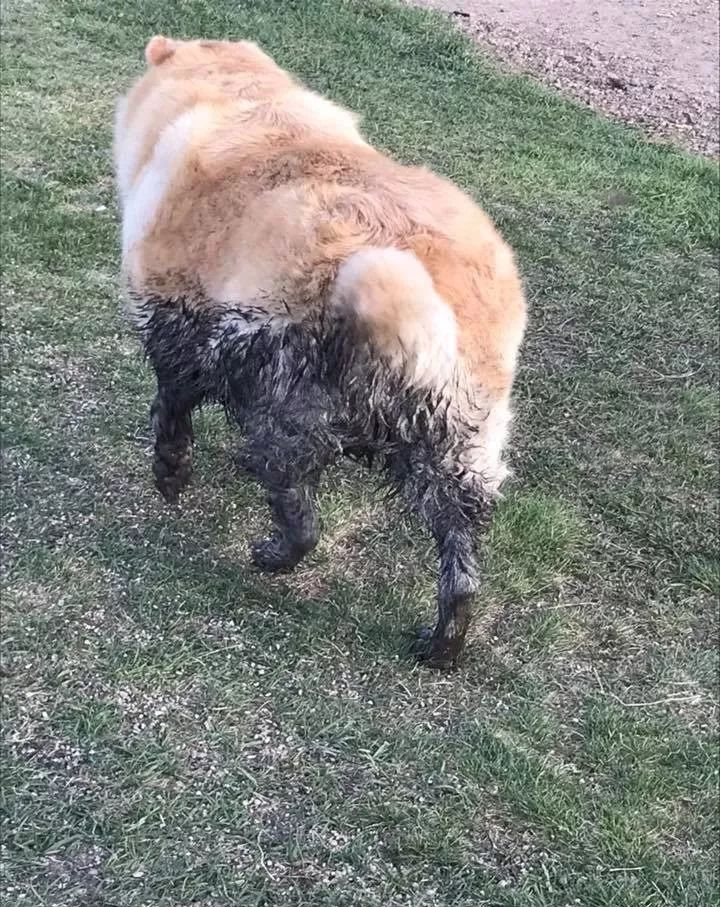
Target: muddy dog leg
<point>457,585</point>
<point>288,463</point>
<point>456,510</point>
<point>296,528</point>
<point>171,418</point>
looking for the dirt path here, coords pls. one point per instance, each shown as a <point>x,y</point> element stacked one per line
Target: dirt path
<point>649,62</point>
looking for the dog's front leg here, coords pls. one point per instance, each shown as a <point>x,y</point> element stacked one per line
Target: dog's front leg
<point>171,418</point>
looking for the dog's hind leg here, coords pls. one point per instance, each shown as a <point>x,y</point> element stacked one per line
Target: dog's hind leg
<point>287,459</point>
<point>456,509</point>
<point>296,530</point>
<point>457,585</point>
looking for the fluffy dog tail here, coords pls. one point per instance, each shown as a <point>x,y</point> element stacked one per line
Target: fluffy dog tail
<point>390,296</point>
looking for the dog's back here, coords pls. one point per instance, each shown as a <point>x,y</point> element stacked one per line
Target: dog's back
<point>254,205</point>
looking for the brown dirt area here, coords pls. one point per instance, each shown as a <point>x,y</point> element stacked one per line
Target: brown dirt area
<point>653,63</point>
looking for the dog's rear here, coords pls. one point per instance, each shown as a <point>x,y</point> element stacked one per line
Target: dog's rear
<point>334,301</point>
<point>390,297</point>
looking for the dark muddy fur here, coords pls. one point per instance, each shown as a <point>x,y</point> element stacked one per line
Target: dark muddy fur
<point>306,395</point>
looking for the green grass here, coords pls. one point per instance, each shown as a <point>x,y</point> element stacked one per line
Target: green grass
<point>180,730</point>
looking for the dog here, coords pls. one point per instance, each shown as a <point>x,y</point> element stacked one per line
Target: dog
<point>334,301</point>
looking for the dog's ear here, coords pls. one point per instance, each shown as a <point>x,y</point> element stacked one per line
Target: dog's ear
<point>159,49</point>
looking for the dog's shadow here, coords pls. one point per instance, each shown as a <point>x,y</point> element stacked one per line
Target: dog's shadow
<point>367,595</point>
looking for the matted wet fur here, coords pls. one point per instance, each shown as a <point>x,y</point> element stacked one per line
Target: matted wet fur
<point>350,315</point>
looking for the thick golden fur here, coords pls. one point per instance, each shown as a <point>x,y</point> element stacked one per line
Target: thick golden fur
<point>277,188</point>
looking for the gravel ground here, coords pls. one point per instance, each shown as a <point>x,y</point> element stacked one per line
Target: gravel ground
<point>653,63</point>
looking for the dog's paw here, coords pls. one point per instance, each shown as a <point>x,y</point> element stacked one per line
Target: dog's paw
<point>172,469</point>
<point>273,555</point>
<point>436,652</point>
<point>170,484</point>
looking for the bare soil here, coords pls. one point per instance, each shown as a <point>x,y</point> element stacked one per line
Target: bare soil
<point>653,63</point>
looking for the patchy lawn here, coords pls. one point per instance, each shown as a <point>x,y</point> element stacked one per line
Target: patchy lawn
<point>180,730</point>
